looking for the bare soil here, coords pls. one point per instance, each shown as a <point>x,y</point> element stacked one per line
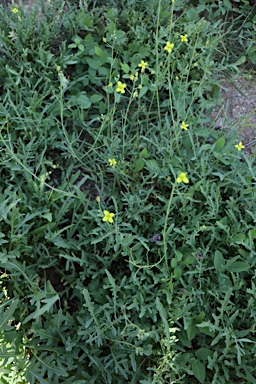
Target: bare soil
<point>238,110</point>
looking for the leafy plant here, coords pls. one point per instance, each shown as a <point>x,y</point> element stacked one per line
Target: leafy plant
<point>127,221</point>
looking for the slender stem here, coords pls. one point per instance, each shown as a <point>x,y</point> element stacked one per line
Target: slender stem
<point>165,226</point>
<point>157,64</point>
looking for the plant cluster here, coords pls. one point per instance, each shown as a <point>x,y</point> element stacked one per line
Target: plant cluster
<point>127,222</point>
<point>238,18</point>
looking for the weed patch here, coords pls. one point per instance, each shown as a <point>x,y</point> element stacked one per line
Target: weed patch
<point>127,223</point>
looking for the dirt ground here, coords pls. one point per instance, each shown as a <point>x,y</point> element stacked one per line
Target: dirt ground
<point>239,109</point>
<point>239,100</point>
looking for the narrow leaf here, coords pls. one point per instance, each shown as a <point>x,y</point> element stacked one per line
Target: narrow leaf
<point>8,313</point>
<point>162,313</point>
<point>45,308</point>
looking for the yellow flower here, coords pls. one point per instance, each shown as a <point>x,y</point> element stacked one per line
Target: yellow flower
<point>169,47</point>
<point>112,162</point>
<point>184,38</point>
<point>240,146</point>
<point>184,126</point>
<point>15,10</point>
<point>58,68</point>
<point>120,87</point>
<point>110,84</point>
<point>135,94</point>
<point>136,75</point>
<point>195,65</point>
<point>131,77</point>
<point>142,65</point>
<point>140,86</point>
<point>108,216</point>
<point>98,199</point>
<point>104,39</point>
<point>182,178</point>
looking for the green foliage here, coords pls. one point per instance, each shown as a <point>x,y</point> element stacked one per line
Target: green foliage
<point>239,21</point>
<point>166,292</point>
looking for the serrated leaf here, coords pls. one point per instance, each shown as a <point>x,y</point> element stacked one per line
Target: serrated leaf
<point>47,216</point>
<point>7,315</point>
<point>45,308</point>
<point>218,337</point>
<point>114,287</point>
<point>249,375</point>
<point>198,370</point>
<point>238,266</point>
<point>51,366</point>
<point>36,376</point>
<point>4,209</point>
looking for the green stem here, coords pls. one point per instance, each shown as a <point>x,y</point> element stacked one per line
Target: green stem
<point>157,64</point>
<point>165,227</point>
